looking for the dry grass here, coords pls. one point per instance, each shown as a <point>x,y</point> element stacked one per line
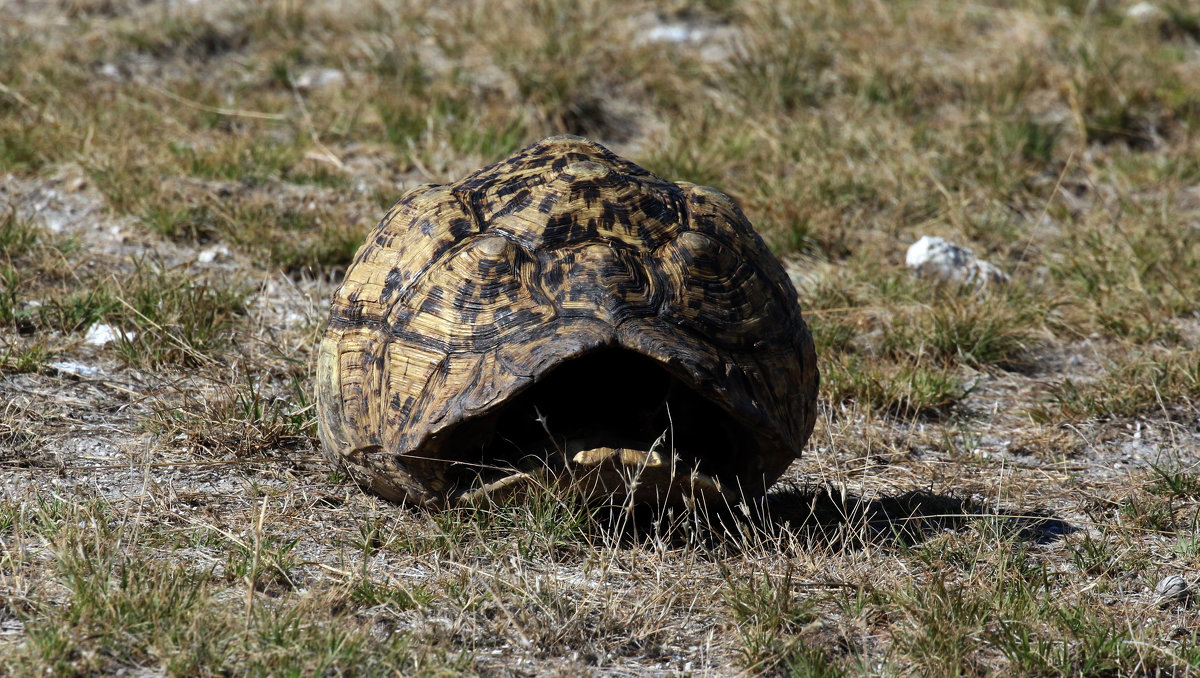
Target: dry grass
<point>998,480</point>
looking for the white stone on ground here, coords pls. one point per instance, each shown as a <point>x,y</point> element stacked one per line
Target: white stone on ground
<point>1172,589</point>
<point>1145,12</point>
<point>207,256</point>
<point>101,334</point>
<point>320,78</point>
<point>673,32</point>
<point>77,369</point>
<point>933,257</point>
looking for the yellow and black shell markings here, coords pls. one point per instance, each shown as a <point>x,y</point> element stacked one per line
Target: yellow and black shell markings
<point>568,294</point>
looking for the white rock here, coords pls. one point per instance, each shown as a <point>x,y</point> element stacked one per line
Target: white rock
<point>1145,12</point>
<point>111,72</point>
<point>672,33</point>
<point>78,369</point>
<point>101,334</point>
<point>207,256</point>
<point>1172,588</point>
<point>933,257</point>
<point>54,220</point>
<point>931,249</point>
<point>320,78</point>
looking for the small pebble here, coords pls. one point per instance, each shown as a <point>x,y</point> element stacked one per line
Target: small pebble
<point>320,78</point>
<point>111,72</point>
<point>77,369</point>
<point>1172,589</point>
<point>207,256</point>
<point>101,334</point>
<point>1145,12</point>
<point>932,257</point>
<point>672,33</point>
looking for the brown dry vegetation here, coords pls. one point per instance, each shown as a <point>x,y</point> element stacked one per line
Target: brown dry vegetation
<point>998,481</point>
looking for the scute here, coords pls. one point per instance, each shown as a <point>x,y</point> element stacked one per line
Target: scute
<point>592,197</point>
<point>469,295</point>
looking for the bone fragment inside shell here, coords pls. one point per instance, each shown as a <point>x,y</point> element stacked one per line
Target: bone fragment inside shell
<point>565,316</point>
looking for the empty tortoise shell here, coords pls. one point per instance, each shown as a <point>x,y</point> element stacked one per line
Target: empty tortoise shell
<point>564,313</point>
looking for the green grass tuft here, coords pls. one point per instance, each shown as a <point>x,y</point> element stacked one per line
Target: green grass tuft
<point>902,389</point>
<point>175,319</point>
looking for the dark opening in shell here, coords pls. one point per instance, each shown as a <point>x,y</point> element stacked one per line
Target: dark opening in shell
<point>612,398</point>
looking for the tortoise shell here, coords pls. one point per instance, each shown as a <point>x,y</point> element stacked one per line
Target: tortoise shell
<point>564,309</point>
